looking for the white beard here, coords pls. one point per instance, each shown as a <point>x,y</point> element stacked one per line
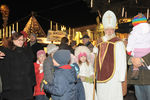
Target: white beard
<point>108,37</point>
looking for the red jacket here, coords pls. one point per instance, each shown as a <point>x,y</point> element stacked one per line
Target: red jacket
<point>39,78</point>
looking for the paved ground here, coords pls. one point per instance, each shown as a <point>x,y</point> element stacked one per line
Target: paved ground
<point>131,93</point>
<point>130,96</point>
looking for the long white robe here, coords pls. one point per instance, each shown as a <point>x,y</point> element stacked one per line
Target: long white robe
<point>87,71</point>
<point>112,90</point>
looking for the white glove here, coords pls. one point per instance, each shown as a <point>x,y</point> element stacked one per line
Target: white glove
<point>95,50</point>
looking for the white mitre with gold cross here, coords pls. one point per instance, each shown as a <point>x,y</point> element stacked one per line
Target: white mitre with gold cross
<point>109,20</point>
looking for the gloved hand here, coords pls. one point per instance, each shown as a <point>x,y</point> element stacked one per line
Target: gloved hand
<point>42,84</point>
<point>95,50</point>
<point>45,82</point>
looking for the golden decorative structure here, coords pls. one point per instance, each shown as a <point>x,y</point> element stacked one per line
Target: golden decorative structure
<point>5,13</point>
<point>33,26</point>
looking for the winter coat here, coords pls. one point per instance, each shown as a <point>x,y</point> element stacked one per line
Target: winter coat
<point>48,69</point>
<point>39,78</point>
<point>17,73</point>
<point>64,84</point>
<point>35,47</point>
<point>80,90</point>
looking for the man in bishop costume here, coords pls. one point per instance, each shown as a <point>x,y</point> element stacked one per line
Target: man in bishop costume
<point>111,61</point>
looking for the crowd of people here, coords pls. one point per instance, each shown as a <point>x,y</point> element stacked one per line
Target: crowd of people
<point>77,71</point>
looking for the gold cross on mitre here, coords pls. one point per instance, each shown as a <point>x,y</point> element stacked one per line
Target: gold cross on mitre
<point>109,17</point>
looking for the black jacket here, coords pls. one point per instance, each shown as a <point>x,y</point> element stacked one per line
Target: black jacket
<point>35,47</point>
<point>17,73</point>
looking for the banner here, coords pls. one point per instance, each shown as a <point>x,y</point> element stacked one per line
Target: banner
<point>55,36</point>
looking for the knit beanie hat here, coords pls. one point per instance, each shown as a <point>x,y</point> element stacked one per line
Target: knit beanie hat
<point>40,52</point>
<point>140,18</point>
<point>51,48</point>
<point>24,34</point>
<point>62,57</point>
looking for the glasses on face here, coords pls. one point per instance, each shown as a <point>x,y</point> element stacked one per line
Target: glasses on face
<point>21,40</point>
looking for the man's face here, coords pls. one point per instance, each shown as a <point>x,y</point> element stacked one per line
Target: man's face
<point>109,31</point>
<point>32,38</point>
<point>85,40</point>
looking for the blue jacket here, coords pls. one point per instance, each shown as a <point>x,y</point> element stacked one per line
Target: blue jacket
<point>64,84</point>
<point>80,94</point>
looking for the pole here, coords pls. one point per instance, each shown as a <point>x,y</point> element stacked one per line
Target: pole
<point>51,25</point>
<point>94,77</point>
<point>17,26</point>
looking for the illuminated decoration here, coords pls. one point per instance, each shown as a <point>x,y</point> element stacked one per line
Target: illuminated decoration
<point>7,31</point>
<point>122,11</point>
<point>43,40</point>
<point>91,30</point>
<point>63,28</point>
<point>69,33</point>
<point>13,27</point>
<point>33,26</point>
<point>108,1</point>
<point>147,13</point>
<point>56,26</point>
<point>55,36</point>
<point>91,3</point>
<point>73,33</point>
<point>5,13</point>
<point>100,30</point>
<point>90,34</point>
<point>77,37</point>
<point>17,27</point>
<point>51,25</point>
<point>136,1</point>
<point>124,20</point>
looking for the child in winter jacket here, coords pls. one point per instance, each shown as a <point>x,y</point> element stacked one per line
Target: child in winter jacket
<point>63,86</point>
<point>138,41</point>
<point>86,74</point>
<point>38,65</point>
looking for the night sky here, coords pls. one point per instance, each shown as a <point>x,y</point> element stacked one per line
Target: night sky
<point>73,13</point>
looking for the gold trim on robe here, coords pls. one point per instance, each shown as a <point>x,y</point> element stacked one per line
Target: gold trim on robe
<point>106,60</point>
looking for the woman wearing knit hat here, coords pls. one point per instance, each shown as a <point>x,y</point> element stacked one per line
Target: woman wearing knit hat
<point>139,46</point>
<point>25,37</point>
<point>38,66</point>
